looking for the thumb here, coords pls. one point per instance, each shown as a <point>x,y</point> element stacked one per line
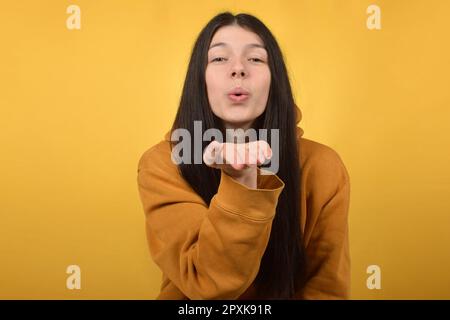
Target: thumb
<point>212,153</point>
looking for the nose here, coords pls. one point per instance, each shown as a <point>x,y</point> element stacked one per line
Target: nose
<point>241,73</point>
<point>237,71</point>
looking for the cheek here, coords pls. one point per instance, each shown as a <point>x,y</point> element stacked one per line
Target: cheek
<point>212,84</point>
<point>264,84</point>
<point>266,80</point>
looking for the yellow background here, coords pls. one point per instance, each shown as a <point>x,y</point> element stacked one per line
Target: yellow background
<point>79,107</point>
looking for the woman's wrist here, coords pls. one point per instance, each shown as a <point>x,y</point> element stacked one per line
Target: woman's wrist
<point>249,179</point>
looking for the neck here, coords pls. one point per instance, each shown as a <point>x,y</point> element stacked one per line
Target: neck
<point>244,126</point>
<point>238,132</point>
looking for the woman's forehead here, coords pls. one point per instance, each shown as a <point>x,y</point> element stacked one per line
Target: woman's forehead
<point>232,35</point>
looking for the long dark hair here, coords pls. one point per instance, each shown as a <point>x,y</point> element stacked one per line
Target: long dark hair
<point>282,269</point>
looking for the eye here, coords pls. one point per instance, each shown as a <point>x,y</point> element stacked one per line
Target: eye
<point>216,59</point>
<point>256,59</point>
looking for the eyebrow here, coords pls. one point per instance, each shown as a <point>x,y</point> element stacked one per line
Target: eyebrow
<point>250,45</point>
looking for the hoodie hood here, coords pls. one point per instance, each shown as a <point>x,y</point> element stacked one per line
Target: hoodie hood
<point>298,118</point>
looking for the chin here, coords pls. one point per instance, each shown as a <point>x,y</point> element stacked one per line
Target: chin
<point>237,121</point>
<point>237,115</point>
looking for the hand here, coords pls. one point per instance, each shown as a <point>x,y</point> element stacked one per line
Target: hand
<point>238,160</point>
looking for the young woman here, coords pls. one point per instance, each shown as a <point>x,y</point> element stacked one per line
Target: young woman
<point>222,229</point>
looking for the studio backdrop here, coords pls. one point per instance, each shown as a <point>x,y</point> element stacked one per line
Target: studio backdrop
<point>88,86</point>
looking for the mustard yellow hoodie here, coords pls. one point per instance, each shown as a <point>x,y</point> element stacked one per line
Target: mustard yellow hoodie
<point>214,252</point>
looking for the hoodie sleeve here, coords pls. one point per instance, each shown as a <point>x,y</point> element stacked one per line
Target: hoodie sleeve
<point>208,252</point>
<point>326,231</point>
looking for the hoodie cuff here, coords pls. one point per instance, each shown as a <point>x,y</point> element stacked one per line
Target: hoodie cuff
<point>254,204</point>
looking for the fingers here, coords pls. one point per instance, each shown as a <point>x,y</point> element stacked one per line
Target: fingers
<point>212,154</point>
<point>264,151</point>
<point>238,155</point>
<point>234,155</point>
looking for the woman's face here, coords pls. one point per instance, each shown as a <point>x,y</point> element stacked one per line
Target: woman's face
<point>237,59</point>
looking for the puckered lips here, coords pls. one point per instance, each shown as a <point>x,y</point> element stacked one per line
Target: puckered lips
<point>238,94</point>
